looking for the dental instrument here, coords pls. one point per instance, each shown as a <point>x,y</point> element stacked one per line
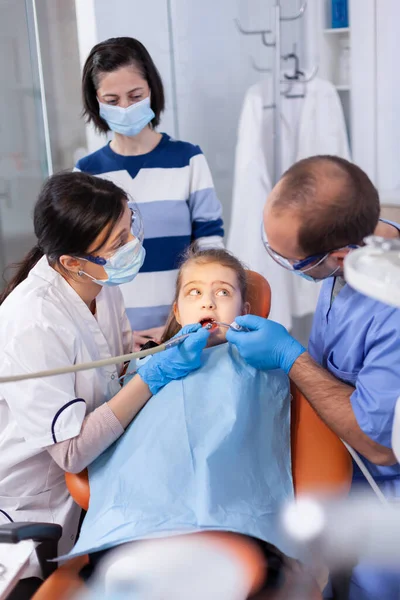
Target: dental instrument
<point>97,363</point>
<point>208,323</point>
<point>212,325</point>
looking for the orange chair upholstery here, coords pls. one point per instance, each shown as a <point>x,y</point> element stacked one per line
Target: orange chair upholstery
<point>258,294</point>
<point>78,486</point>
<point>64,583</point>
<point>320,462</point>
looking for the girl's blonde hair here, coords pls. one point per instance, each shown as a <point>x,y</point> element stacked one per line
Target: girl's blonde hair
<point>204,257</point>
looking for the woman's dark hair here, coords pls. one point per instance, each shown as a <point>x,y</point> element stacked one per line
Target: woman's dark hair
<point>71,211</point>
<point>204,257</point>
<point>109,56</point>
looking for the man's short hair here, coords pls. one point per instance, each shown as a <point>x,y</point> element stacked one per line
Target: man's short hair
<point>336,201</point>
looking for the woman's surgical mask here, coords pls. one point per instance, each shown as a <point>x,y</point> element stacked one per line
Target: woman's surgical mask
<point>121,267</point>
<point>127,121</point>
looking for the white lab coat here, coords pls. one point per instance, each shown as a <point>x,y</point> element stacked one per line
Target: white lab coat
<point>44,324</point>
<point>309,126</point>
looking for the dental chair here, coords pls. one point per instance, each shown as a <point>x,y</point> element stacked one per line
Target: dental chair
<point>320,464</point>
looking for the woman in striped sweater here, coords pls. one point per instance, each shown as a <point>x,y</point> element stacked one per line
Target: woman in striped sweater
<point>169,180</point>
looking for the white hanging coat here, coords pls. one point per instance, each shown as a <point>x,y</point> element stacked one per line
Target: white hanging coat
<point>44,324</point>
<point>309,126</point>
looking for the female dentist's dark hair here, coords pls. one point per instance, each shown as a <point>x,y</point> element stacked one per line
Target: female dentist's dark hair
<point>109,56</point>
<point>71,211</point>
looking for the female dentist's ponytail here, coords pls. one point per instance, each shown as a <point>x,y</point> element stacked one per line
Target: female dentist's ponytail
<point>23,268</point>
<point>70,213</point>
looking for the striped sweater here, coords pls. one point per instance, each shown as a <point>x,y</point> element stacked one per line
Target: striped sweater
<point>173,188</point>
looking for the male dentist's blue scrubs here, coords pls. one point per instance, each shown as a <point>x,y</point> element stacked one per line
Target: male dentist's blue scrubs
<point>357,339</point>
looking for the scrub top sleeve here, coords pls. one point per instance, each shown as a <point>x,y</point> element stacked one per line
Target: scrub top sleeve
<point>45,410</point>
<point>378,382</point>
<point>205,208</point>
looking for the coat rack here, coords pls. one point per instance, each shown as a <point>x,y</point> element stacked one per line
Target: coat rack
<point>276,70</point>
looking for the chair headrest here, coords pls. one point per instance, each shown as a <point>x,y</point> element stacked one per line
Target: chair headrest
<point>258,294</point>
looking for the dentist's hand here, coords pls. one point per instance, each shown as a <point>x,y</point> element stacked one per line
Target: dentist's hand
<point>177,362</point>
<point>267,345</point>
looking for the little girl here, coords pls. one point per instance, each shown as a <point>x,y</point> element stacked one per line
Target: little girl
<point>208,452</point>
<point>211,286</point>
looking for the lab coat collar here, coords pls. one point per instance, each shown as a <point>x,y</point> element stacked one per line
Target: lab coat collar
<point>46,272</point>
<point>72,299</point>
<point>74,304</point>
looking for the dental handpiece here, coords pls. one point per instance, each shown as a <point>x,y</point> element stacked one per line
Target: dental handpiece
<point>96,363</point>
<point>209,325</point>
<point>176,341</point>
<point>115,359</point>
<point>165,346</point>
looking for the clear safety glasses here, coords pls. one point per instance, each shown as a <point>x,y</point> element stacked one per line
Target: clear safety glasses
<point>304,265</point>
<point>136,222</point>
<point>136,230</point>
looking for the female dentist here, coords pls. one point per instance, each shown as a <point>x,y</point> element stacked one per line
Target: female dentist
<point>64,307</point>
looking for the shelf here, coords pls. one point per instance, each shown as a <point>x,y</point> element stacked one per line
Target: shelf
<point>337,30</point>
<point>342,88</point>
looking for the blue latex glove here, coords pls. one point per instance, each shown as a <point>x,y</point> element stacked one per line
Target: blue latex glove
<point>266,345</point>
<point>176,362</point>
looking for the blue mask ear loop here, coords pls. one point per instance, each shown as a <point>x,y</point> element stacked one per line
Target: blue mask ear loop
<point>97,260</point>
<point>81,272</point>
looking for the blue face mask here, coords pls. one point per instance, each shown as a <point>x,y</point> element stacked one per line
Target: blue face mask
<point>304,276</point>
<point>123,266</point>
<point>314,279</point>
<point>127,121</point>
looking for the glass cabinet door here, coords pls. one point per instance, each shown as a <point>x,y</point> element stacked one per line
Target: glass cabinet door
<point>23,164</point>
<point>41,129</point>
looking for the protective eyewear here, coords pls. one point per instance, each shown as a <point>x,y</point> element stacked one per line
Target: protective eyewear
<point>305,264</point>
<point>136,230</point>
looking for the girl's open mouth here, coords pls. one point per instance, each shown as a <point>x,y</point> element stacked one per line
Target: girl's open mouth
<point>209,323</point>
